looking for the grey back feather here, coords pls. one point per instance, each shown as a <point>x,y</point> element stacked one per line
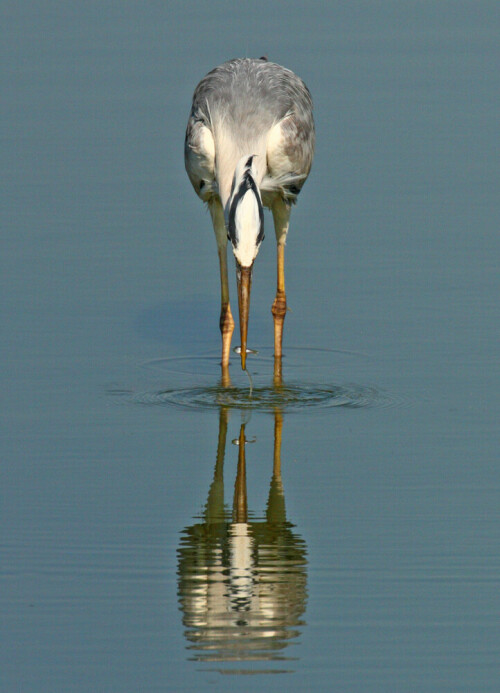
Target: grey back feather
<point>240,101</point>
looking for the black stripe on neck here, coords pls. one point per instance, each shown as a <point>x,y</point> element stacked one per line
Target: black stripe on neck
<point>247,183</point>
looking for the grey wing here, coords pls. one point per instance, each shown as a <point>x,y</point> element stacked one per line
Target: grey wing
<point>290,151</point>
<point>290,145</point>
<point>199,157</point>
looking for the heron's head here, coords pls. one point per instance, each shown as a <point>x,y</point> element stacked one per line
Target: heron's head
<point>245,230</point>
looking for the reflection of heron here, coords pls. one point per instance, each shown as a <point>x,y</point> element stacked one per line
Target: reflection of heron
<point>249,142</point>
<point>242,582</point>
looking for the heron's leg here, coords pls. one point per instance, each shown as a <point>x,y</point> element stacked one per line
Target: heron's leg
<point>226,319</point>
<point>281,216</point>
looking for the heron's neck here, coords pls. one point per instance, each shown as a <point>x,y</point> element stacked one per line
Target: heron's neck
<point>228,155</point>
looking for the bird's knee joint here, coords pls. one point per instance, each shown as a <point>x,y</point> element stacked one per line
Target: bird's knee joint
<point>226,322</point>
<point>279,306</point>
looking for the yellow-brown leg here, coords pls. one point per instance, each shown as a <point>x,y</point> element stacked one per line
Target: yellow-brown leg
<point>279,311</point>
<point>226,322</point>
<point>281,215</point>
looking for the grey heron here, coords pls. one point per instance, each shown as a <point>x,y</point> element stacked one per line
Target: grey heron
<point>249,142</point>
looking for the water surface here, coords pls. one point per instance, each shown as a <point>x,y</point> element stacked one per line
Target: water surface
<point>162,532</point>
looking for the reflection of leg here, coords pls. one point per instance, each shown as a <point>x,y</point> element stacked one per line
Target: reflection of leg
<point>215,501</point>
<point>221,442</point>
<point>276,512</point>
<point>240,509</point>
<point>278,428</point>
<point>281,216</point>
<point>226,319</point>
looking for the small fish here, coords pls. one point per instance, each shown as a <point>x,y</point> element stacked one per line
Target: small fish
<point>237,350</point>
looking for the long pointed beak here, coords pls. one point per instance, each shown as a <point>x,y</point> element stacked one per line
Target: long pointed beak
<point>244,278</point>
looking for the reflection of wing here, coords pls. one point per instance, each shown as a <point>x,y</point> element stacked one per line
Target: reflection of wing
<point>199,155</point>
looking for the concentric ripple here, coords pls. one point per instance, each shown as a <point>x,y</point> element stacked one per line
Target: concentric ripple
<point>286,398</point>
<point>193,382</point>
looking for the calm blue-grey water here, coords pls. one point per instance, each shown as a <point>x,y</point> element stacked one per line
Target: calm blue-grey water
<point>353,542</point>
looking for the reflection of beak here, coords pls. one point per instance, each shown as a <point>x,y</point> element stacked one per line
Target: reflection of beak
<point>244,277</point>
<point>240,509</point>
